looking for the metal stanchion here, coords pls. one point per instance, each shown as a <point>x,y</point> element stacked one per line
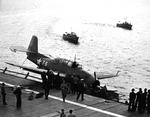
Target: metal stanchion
<point>27,75</point>
<point>4,69</point>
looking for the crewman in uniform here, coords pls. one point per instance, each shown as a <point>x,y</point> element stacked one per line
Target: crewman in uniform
<point>44,79</point>
<point>148,102</point>
<point>64,89</point>
<point>46,88</point>
<point>132,97</point>
<point>138,102</point>
<point>50,78</point>
<point>62,113</point>
<point>144,97</point>
<point>18,93</point>
<point>58,81</point>
<point>3,94</point>
<point>80,89</point>
<point>46,84</point>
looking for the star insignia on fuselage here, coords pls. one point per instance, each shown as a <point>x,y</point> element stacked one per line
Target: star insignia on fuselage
<point>39,61</point>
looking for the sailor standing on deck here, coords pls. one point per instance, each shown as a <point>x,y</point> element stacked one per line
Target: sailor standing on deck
<point>18,93</point>
<point>64,89</point>
<point>132,97</point>
<point>3,94</point>
<point>46,88</point>
<point>58,81</point>
<point>138,102</point>
<point>80,90</point>
<point>50,79</point>
<point>148,102</point>
<point>46,84</point>
<point>44,79</point>
<point>144,98</point>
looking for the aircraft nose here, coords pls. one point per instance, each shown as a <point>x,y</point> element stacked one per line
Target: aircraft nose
<point>90,79</point>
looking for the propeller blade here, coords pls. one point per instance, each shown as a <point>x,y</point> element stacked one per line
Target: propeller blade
<point>75,58</point>
<point>95,75</point>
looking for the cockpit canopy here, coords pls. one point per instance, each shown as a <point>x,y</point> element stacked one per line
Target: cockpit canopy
<point>68,63</point>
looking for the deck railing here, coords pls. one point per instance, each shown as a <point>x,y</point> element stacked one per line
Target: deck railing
<point>18,73</point>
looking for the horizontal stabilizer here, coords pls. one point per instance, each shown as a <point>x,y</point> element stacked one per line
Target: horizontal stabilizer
<point>104,75</point>
<point>20,49</point>
<point>31,69</point>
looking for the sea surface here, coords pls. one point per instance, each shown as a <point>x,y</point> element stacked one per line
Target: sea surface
<point>102,45</point>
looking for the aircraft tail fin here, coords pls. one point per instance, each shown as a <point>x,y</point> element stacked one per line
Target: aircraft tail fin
<point>33,46</point>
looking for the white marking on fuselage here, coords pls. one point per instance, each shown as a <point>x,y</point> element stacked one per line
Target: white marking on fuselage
<point>39,61</point>
<point>74,103</point>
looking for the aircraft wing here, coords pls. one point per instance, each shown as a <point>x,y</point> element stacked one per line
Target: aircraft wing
<point>104,75</point>
<point>31,69</point>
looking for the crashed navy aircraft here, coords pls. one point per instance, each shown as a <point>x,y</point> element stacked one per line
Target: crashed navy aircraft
<point>45,63</point>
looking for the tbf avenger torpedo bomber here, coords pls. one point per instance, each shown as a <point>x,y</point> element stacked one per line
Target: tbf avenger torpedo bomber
<point>60,65</point>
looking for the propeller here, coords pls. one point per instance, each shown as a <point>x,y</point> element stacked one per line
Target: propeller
<point>95,75</point>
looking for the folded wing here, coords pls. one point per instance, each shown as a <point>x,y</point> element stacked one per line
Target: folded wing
<point>31,69</point>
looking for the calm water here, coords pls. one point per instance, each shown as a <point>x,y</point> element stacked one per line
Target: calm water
<point>103,47</point>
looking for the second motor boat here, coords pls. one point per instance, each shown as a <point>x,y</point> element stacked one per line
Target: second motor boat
<point>71,37</point>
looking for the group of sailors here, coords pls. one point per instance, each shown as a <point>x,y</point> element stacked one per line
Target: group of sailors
<point>73,82</point>
<point>139,101</point>
<point>17,91</point>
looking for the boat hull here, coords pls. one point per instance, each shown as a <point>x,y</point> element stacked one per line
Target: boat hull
<point>129,27</point>
<point>71,39</point>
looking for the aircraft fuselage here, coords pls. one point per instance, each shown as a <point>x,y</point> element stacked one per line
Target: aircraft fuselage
<point>60,65</point>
